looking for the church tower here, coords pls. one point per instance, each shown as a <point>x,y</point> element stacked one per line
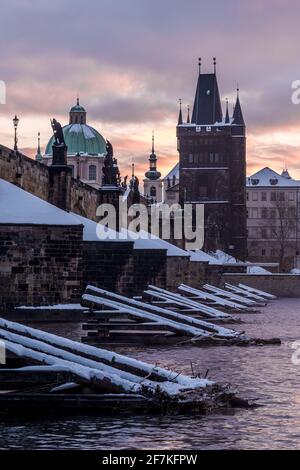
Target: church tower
<point>212,166</point>
<point>153,183</point>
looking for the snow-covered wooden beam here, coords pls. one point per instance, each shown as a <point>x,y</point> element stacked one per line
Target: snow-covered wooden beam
<point>229,295</point>
<point>200,294</point>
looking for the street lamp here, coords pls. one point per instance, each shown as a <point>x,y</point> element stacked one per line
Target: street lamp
<point>16,122</point>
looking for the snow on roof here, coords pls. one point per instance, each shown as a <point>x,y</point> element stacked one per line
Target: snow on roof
<point>91,234</point>
<point>269,177</point>
<point>151,242</point>
<point>200,255</point>
<point>223,258</point>
<point>173,172</point>
<point>142,241</point>
<point>21,207</point>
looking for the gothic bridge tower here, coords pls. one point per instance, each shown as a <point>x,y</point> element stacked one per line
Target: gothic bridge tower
<point>212,166</point>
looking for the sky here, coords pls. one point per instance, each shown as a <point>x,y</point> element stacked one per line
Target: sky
<point>131,60</point>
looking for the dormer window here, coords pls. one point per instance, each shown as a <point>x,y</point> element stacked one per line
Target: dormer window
<point>273,181</point>
<point>254,181</point>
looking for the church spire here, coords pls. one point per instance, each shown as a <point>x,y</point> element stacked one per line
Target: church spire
<point>152,142</point>
<point>237,114</point>
<point>152,173</point>
<point>227,120</point>
<point>38,156</point>
<point>180,113</point>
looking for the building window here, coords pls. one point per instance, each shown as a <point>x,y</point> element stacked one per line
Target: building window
<point>273,213</point>
<point>291,197</point>
<point>254,213</point>
<point>264,213</point>
<point>254,196</point>
<point>247,196</point>
<point>191,158</point>
<point>272,252</point>
<point>281,196</point>
<point>263,196</point>
<point>264,233</point>
<point>263,252</point>
<point>92,172</point>
<point>153,191</point>
<point>273,196</point>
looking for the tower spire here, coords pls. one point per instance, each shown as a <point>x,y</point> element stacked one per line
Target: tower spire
<point>237,114</point>
<point>207,107</point>
<point>199,64</point>
<point>180,113</point>
<point>188,114</point>
<point>227,120</point>
<point>215,65</point>
<point>38,156</point>
<point>152,142</point>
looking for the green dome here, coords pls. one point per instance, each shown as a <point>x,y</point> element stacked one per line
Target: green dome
<point>77,109</point>
<point>80,138</point>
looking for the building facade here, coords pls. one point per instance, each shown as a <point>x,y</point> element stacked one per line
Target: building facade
<point>86,148</point>
<point>273,214</point>
<point>171,186</point>
<point>212,166</point>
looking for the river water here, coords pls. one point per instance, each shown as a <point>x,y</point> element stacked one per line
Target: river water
<point>265,373</point>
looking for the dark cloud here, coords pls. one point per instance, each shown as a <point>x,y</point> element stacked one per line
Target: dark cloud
<point>131,60</point>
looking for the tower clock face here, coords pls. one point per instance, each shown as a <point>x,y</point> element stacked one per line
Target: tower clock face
<point>208,92</point>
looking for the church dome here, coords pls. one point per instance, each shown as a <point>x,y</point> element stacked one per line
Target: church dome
<point>79,136</point>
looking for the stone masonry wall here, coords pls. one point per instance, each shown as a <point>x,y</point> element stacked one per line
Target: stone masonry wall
<point>43,182</point>
<point>117,267</point>
<point>40,265</point>
<point>281,285</point>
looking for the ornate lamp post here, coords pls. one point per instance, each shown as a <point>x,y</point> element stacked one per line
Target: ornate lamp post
<point>16,122</point>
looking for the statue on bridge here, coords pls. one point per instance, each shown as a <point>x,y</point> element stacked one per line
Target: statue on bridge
<point>57,132</point>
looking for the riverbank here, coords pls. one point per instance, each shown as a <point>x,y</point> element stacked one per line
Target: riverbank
<point>263,373</point>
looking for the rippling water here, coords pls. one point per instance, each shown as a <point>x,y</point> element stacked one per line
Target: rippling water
<point>266,373</point>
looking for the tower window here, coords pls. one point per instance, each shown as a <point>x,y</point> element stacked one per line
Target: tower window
<point>153,191</point>
<point>92,172</point>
